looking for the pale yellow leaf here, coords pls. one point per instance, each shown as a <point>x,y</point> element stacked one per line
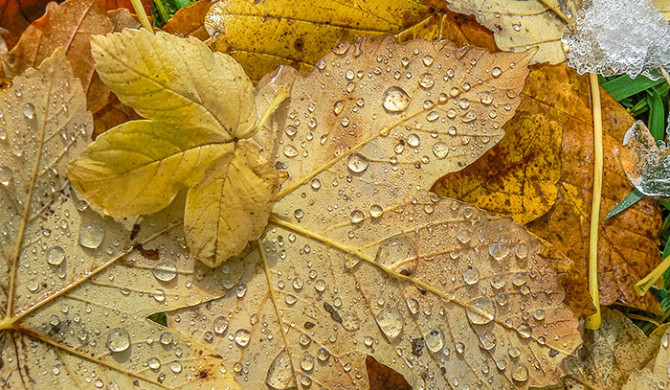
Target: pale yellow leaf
<point>177,80</point>
<point>656,375</point>
<point>521,24</point>
<point>359,259</point>
<point>76,289</point>
<point>222,215</point>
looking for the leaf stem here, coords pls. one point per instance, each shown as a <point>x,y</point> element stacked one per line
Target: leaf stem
<point>554,8</point>
<point>593,321</point>
<point>162,12</point>
<point>281,95</point>
<point>645,283</point>
<point>141,15</point>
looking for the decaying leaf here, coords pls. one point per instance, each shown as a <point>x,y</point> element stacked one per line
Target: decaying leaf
<point>610,354</point>
<point>198,104</point>
<point>69,25</point>
<point>16,15</point>
<point>189,21</point>
<point>655,375</point>
<point>76,291</point>
<point>645,163</point>
<point>519,25</point>
<point>359,259</point>
<point>264,35</point>
<point>555,104</point>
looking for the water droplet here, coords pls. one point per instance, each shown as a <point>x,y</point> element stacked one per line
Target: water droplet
<point>398,253</point>
<point>55,255</point>
<point>3,134</point>
<point>154,363</point>
<point>165,271</point>
<point>323,354</point>
<point>32,285</point>
<point>175,367</point>
<point>220,325</point>
<point>481,311</point>
<point>357,216</point>
<point>434,340</point>
<point>432,116</point>
<point>487,341</point>
<point>395,100</point>
<point>166,338</point>
<point>498,281</point>
<point>376,211</point>
<point>413,305</point>
<point>413,140</point>
<point>496,72</point>
<point>357,163</point>
<point>338,107</point>
<point>391,323</point>
<point>290,151</point>
<point>5,175</point>
<point>471,275</point>
<point>440,150</point>
<point>460,347</point>
<point>486,99</point>
<point>516,26</point>
<point>342,48</point>
<point>463,236</point>
<point>242,337</point>
<point>118,340</point>
<point>521,250</point>
<point>307,362</point>
<point>315,183</point>
<point>427,81</point>
<point>520,374</point>
<point>514,352</point>
<point>539,315</point>
<point>500,248</point>
<point>91,234</point>
<point>665,341</point>
<point>29,110</point>
<point>320,285</point>
<point>428,60</point>
<point>525,331</point>
<point>298,214</point>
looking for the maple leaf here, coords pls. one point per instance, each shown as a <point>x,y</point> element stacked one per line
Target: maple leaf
<point>190,142</point>
<point>359,259</point>
<point>76,291</point>
<point>540,174</point>
<point>298,33</point>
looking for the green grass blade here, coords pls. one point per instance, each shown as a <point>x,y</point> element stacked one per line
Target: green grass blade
<point>623,86</point>
<point>656,115</point>
<point>626,203</point>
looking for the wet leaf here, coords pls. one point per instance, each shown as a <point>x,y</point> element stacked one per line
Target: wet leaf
<point>189,141</point>
<point>610,354</point>
<point>189,21</point>
<point>76,290</point>
<point>69,25</point>
<point>520,25</point>
<point>16,16</point>
<point>359,259</point>
<point>655,374</point>
<point>645,163</point>
<point>264,35</point>
<point>517,179</point>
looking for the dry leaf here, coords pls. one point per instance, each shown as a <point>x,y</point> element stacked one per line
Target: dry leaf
<point>555,104</point>
<point>117,4</point>
<point>382,377</point>
<point>16,15</point>
<point>76,290</point>
<point>199,104</point>
<point>359,259</point>
<point>655,375</point>
<point>69,25</point>
<point>519,25</point>
<point>264,35</point>
<point>610,354</point>
<point>189,21</point>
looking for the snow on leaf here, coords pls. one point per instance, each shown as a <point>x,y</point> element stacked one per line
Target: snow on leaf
<point>598,46</point>
<point>645,163</point>
<point>359,259</point>
<point>199,104</point>
<point>519,25</point>
<point>76,289</point>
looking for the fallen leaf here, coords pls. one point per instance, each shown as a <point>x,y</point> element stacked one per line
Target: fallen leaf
<point>189,142</point>
<point>520,25</point>
<point>16,15</point>
<point>655,375</point>
<point>359,259</point>
<point>189,21</point>
<point>264,35</point>
<point>554,105</point>
<point>71,26</point>
<point>645,164</point>
<point>76,291</point>
<point>117,4</point>
<point>610,354</point>
<point>382,377</point>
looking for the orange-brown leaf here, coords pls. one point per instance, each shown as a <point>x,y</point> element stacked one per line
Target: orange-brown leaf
<point>552,133</point>
<point>188,21</point>
<point>16,15</point>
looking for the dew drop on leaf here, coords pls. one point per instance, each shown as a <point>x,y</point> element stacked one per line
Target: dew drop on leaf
<point>390,322</point>
<point>395,100</point>
<point>520,374</point>
<point>471,275</point>
<point>357,216</point>
<point>357,163</point>
<point>280,374</point>
<point>118,340</point>
<point>242,337</point>
<point>175,367</point>
<point>376,211</point>
<point>5,175</point>
<point>434,340</point>
<point>55,255</point>
<point>440,150</point>
<point>165,271</point>
<point>91,234</point>
<point>154,363</point>
<point>166,338</point>
<point>481,311</point>
<point>398,253</point>
<point>29,110</point>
